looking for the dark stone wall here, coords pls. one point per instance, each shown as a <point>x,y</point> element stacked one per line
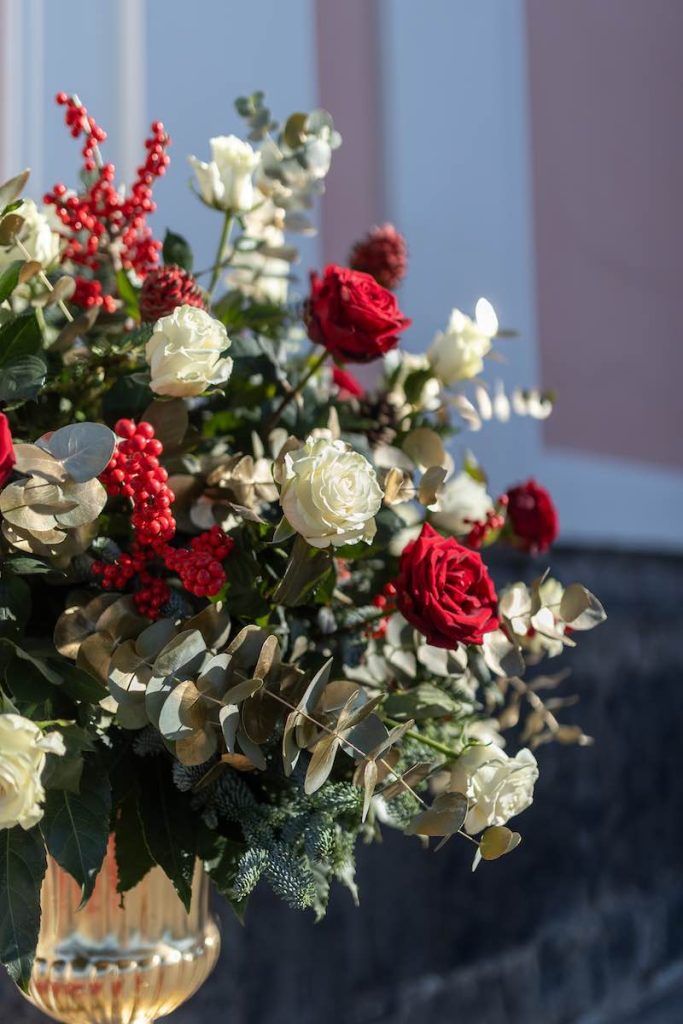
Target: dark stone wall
<point>584,923</point>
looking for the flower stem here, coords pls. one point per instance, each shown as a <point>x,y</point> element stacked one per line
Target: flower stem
<point>218,264</point>
<point>44,280</point>
<point>425,740</point>
<point>291,395</point>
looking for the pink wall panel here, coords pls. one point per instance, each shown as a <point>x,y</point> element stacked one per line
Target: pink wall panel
<point>348,83</point>
<point>606,103</point>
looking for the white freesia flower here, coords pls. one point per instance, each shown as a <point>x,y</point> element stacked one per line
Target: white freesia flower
<point>226,181</point>
<point>185,353</point>
<point>329,493</point>
<point>399,365</point>
<point>458,352</point>
<point>497,786</point>
<point>36,234</point>
<point>463,501</point>
<point>23,749</point>
<point>256,273</point>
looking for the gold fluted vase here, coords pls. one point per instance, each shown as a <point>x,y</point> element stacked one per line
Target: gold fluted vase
<point>120,964</point>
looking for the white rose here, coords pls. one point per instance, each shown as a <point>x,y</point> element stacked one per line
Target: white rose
<point>458,352</point>
<point>329,493</point>
<point>185,353</point>
<point>226,182</point>
<point>37,235</point>
<point>497,786</point>
<point>462,502</point>
<point>23,749</point>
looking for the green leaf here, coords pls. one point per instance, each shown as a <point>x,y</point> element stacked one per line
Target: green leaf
<point>27,683</point>
<point>169,827</point>
<point>23,379</point>
<point>129,294</point>
<point>80,685</point>
<point>19,337</point>
<point>243,597</point>
<point>22,369</point>
<point>15,605</point>
<point>129,396</point>
<point>65,771</point>
<point>415,382</point>
<point>25,566</point>
<point>306,570</point>
<point>22,868</point>
<point>76,827</point>
<point>177,251</point>
<point>133,859</point>
<point>9,278</point>
<point>423,701</point>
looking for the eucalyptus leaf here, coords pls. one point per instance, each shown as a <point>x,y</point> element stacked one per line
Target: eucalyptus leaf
<point>12,188</point>
<point>497,841</point>
<point>84,449</point>
<point>444,818</point>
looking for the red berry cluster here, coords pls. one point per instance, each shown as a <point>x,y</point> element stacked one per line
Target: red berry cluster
<point>79,122</point>
<point>89,293</point>
<point>495,520</point>
<point>152,595</point>
<point>384,254</point>
<point>134,472</point>
<point>102,216</point>
<point>199,566</point>
<point>386,601</point>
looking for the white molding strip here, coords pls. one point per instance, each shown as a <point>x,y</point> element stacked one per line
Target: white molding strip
<point>131,86</point>
<point>11,92</point>
<point>34,98</point>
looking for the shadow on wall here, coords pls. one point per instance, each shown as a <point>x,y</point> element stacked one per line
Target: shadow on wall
<point>583,924</point>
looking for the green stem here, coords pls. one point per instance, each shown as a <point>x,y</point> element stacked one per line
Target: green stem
<point>425,740</point>
<point>291,395</point>
<point>218,264</point>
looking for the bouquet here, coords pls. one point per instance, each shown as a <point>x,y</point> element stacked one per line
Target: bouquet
<point>244,612</point>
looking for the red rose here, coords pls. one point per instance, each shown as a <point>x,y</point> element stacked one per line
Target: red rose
<point>532,517</point>
<point>352,316</point>
<point>445,591</point>
<point>7,458</point>
<point>348,386</point>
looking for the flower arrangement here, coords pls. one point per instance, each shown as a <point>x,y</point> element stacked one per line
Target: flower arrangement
<point>244,612</point>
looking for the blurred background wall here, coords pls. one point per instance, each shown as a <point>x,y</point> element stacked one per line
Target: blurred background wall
<point>530,152</point>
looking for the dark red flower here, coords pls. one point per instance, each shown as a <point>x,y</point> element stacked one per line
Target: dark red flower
<point>7,457</point>
<point>348,386</point>
<point>383,253</point>
<point>532,517</point>
<point>352,316</point>
<point>165,288</point>
<point>445,591</point>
